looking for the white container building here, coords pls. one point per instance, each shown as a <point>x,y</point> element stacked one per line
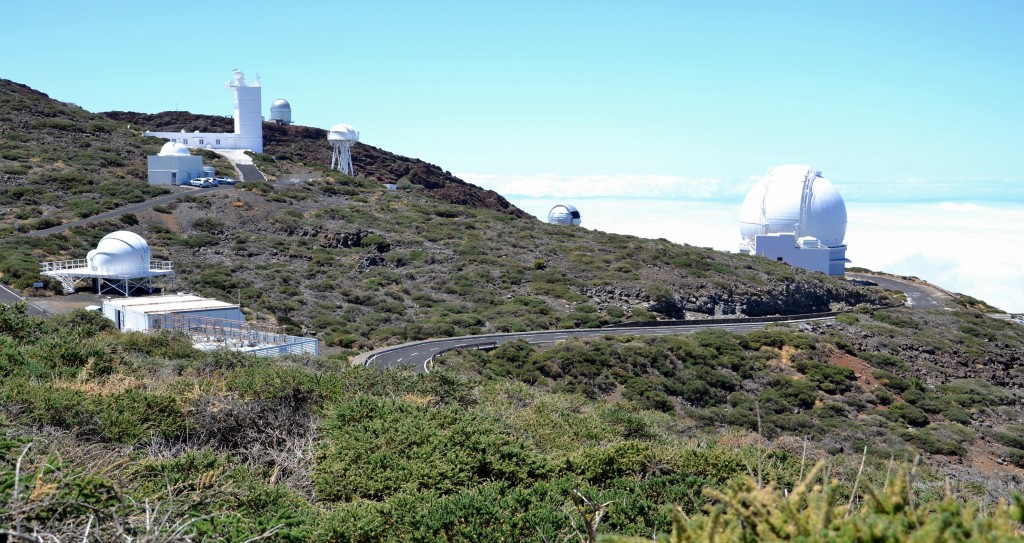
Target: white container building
<point>154,313</point>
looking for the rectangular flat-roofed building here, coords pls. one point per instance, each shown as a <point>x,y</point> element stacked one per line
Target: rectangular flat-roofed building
<point>152,313</point>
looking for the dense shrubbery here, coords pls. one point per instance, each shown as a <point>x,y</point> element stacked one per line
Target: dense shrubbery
<point>228,447</point>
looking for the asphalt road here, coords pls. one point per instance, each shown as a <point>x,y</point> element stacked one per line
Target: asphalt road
<point>918,296</point>
<point>418,354</point>
<point>10,297</point>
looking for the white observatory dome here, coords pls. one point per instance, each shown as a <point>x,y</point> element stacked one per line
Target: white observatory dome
<point>564,214</point>
<point>342,132</point>
<point>794,199</point>
<point>173,148</point>
<point>120,252</point>
<point>281,110</point>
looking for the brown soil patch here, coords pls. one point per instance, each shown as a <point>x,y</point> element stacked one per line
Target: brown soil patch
<point>167,220</point>
<point>860,368</point>
<point>981,457</point>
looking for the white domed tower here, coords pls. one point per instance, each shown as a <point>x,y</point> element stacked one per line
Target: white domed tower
<point>795,215</point>
<point>564,214</point>
<point>342,138</point>
<point>281,111</point>
<point>121,263</point>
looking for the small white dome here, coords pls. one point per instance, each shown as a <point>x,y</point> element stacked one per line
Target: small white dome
<point>120,252</point>
<point>280,103</point>
<point>564,214</point>
<point>173,148</point>
<point>342,132</point>
<point>794,199</point>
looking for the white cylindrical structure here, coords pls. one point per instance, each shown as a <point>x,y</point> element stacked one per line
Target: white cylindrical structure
<point>281,111</point>
<point>564,214</point>
<point>120,253</point>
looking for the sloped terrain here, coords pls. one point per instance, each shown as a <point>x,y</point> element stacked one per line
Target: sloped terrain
<point>141,436</point>
<point>361,266</point>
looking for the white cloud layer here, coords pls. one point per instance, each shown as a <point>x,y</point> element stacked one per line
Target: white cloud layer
<point>964,246</point>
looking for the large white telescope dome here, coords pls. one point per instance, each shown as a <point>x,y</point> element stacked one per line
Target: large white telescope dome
<point>342,132</point>
<point>120,252</point>
<point>794,199</point>
<point>564,214</point>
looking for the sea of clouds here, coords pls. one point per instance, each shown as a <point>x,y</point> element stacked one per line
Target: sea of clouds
<point>964,236</point>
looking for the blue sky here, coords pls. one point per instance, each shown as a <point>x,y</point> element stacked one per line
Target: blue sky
<point>871,91</point>
<point>895,101</point>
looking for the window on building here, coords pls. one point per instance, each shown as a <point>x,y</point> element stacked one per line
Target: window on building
<point>200,141</point>
<point>218,142</point>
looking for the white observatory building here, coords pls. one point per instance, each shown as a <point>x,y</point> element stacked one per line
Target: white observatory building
<point>795,215</point>
<point>564,214</point>
<point>248,115</point>
<point>174,165</point>
<point>342,138</point>
<point>121,263</point>
<point>281,111</point>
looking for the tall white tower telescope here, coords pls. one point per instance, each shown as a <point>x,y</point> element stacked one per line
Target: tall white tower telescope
<point>248,114</point>
<point>342,138</point>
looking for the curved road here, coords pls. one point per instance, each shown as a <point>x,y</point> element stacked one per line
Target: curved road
<point>418,354</point>
<point>919,295</point>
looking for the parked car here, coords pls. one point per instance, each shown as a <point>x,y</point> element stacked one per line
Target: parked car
<point>225,181</point>
<point>204,182</point>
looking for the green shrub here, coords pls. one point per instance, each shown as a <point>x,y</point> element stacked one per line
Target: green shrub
<point>909,414</point>
<point>442,450</point>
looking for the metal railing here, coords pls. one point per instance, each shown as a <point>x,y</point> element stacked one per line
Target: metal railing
<point>117,271</point>
<point>254,338</point>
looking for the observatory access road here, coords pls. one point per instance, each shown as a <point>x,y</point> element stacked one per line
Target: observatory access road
<point>419,354</point>
<point>919,295</point>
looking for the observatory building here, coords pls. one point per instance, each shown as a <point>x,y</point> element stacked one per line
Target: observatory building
<point>121,263</point>
<point>281,111</point>
<point>248,132</point>
<point>173,165</point>
<point>564,214</point>
<point>795,215</point>
<point>342,138</point>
